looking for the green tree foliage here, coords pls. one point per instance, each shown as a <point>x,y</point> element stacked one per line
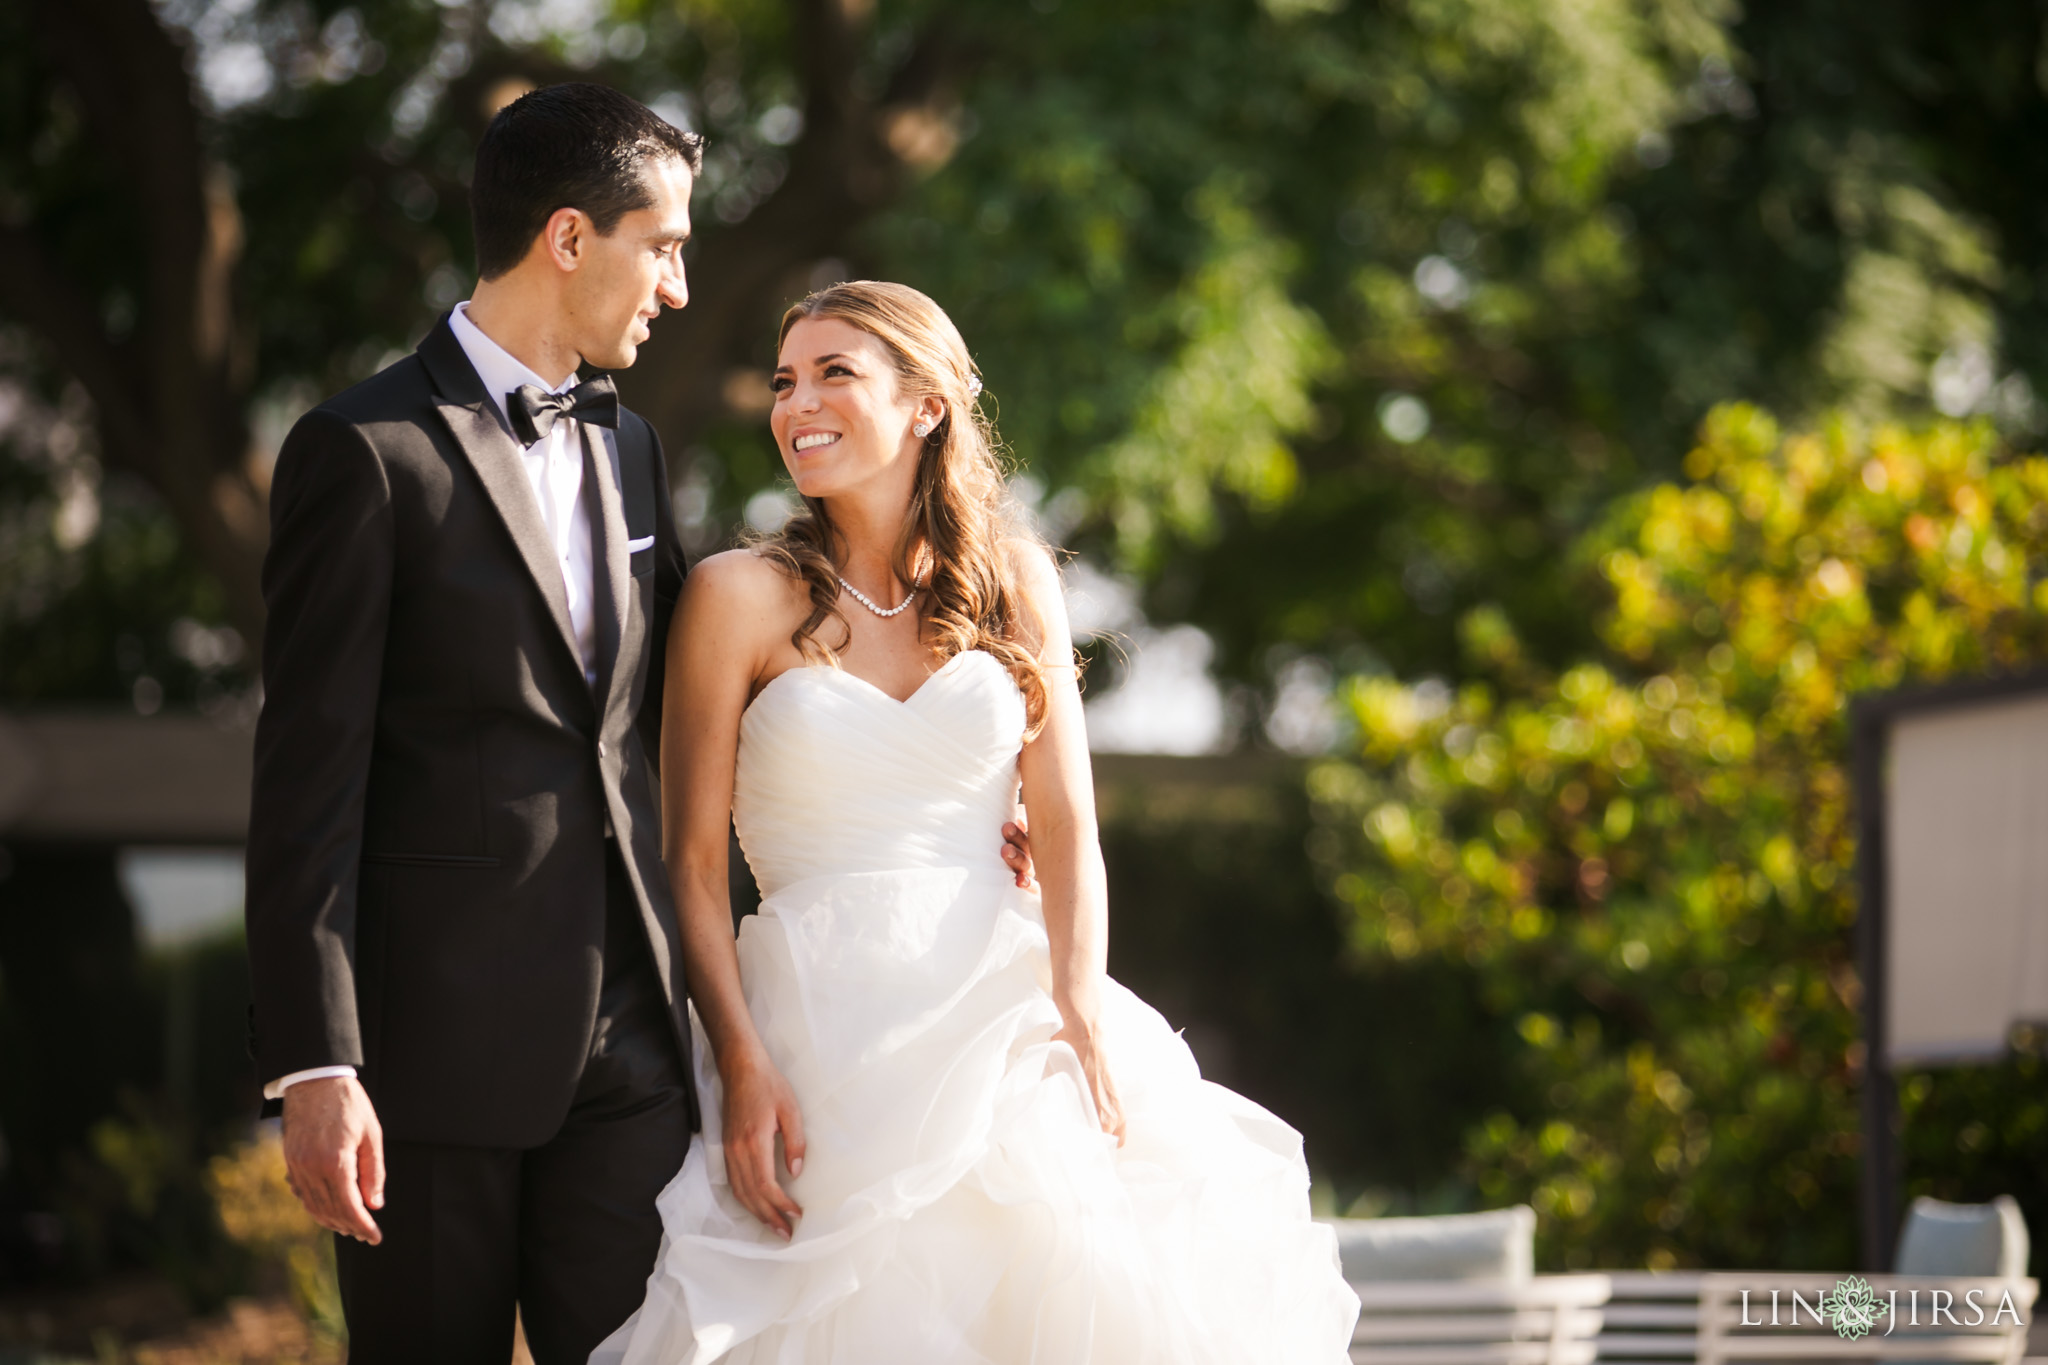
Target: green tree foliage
<point>99,599</point>
<point>214,214</point>
<point>1649,854</point>
<point>1334,320</point>
<point>1201,265</point>
<point>1499,259</point>
<point>1221,925</point>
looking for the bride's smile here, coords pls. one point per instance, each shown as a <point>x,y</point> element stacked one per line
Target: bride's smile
<point>840,419</point>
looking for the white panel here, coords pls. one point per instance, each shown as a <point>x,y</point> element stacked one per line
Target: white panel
<point>1967,867</point>
<point>182,895</point>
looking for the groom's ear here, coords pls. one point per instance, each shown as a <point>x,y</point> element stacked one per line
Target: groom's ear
<point>565,238</point>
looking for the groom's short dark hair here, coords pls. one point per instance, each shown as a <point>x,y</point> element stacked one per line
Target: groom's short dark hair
<point>579,146</point>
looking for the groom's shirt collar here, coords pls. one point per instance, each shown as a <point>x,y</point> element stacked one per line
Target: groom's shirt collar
<point>501,371</point>
<point>554,469</point>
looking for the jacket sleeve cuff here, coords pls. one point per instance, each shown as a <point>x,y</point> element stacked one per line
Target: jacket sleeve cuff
<point>275,1090</point>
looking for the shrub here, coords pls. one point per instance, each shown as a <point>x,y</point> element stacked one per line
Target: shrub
<point>1647,858</point>
<point>260,1212</point>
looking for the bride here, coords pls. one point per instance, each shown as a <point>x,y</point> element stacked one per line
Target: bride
<point>947,1135</point>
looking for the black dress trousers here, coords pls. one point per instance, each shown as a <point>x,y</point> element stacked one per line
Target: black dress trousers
<point>566,1232</point>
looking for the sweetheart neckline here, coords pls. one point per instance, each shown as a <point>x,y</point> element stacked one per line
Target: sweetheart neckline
<point>916,692</point>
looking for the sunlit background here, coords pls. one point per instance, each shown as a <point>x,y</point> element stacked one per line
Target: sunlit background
<point>1493,439</point>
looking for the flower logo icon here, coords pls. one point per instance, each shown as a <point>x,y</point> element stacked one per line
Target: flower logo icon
<point>1852,1308</point>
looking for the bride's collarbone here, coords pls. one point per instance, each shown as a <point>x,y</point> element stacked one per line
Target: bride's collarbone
<point>891,656</point>
<point>899,678</point>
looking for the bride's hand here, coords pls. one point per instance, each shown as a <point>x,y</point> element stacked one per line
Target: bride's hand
<point>1088,1047</point>
<point>759,1105</point>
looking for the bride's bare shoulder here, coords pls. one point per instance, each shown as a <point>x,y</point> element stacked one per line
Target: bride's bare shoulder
<point>1043,619</point>
<point>740,591</point>
<point>741,578</point>
<point>1031,565</point>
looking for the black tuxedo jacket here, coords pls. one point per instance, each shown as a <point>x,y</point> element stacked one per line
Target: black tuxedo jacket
<point>434,774</point>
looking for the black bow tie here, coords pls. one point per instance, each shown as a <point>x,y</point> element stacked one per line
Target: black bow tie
<point>534,410</point>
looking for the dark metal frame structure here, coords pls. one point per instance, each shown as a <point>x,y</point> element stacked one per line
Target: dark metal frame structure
<point>1871,718</point>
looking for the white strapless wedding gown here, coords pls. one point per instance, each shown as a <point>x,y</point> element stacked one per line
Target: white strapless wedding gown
<point>961,1204</point>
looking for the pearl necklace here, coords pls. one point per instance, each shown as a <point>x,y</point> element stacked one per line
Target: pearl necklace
<point>869,603</point>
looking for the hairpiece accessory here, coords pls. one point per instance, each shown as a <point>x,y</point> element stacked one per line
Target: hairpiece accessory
<point>974,386</point>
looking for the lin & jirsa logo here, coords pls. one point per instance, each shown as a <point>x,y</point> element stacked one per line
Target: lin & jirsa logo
<point>1854,1309</point>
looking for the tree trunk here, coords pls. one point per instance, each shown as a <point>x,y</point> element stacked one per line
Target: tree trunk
<point>171,397</point>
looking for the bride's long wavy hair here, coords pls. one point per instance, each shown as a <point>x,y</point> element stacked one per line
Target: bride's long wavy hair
<point>960,511</point>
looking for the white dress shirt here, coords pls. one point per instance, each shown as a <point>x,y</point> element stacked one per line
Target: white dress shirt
<point>554,466</point>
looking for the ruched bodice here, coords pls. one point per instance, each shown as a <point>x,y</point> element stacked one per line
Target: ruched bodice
<point>960,1200</point>
<point>836,776</point>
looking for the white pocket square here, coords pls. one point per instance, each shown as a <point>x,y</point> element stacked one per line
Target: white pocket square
<point>634,547</point>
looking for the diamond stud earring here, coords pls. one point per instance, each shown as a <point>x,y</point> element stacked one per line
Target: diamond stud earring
<point>921,430</point>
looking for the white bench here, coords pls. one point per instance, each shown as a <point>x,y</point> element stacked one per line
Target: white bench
<point>1458,1290</point>
<point>1542,1320</point>
<point>1640,1318</point>
<point>1651,1318</point>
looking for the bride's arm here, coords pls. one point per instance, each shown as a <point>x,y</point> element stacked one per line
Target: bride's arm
<point>717,647</point>
<point>1059,798</point>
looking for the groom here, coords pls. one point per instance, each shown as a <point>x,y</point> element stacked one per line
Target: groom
<point>465,962</point>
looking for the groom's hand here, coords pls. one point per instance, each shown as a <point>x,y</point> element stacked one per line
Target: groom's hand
<point>334,1155</point>
<point>1017,851</point>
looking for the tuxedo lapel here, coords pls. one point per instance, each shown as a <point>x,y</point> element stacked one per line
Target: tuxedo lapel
<point>608,541</point>
<point>492,451</point>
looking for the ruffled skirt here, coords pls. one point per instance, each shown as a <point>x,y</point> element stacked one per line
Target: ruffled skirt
<point>961,1204</point>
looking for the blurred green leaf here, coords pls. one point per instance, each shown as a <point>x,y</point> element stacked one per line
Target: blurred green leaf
<point>1650,852</point>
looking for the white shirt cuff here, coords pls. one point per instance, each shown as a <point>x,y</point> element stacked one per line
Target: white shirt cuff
<point>275,1090</point>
